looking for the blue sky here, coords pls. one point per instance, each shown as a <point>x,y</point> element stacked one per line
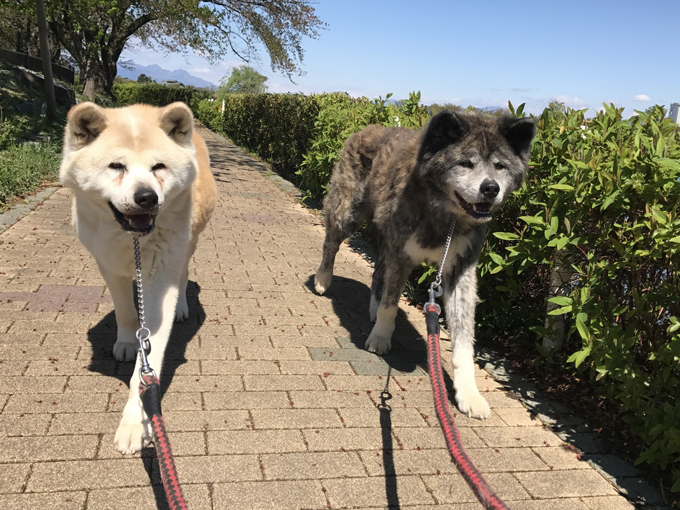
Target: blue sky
<point>482,52</point>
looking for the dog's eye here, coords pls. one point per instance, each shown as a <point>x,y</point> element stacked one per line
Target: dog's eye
<point>158,166</point>
<point>499,166</point>
<point>117,166</point>
<point>467,164</point>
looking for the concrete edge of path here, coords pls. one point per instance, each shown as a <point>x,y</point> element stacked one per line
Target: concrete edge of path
<point>15,213</point>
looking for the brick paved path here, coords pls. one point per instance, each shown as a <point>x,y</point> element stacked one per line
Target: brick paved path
<point>269,403</point>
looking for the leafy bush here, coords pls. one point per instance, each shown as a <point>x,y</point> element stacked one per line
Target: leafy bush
<point>339,119</point>
<point>276,127</point>
<point>158,95</point>
<point>23,167</point>
<point>601,203</point>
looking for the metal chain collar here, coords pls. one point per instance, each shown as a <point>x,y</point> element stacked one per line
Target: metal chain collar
<point>143,334</point>
<point>436,285</point>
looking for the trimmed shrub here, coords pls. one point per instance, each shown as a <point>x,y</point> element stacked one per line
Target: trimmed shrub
<point>158,95</point>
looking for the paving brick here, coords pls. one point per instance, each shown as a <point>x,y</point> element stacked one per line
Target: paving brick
<point>385,462</point>
<point>559,457</point>
<point>56,403</point>
<point>306,341</point>
<point>518,417</point>
<point>69,367</point>
<point>52,500</point>
<point>312,466</point>
<point>364,417</point>
<point>18,449</point>
<point>433,437</point>
<point>283,495</point>
<point>255,441</point>
<point>24,424</point>
<point>206,420</point>
<point>333,440</point>
<point>330,399</point>
<point>13,477</point>
<point>365,492</point>
<point>565,484</point>
<point>199,383</point>
<point>25,384</point>
<point>516,436</point>
<point>148,498</point>
<point>324,368</point>
<point>607,503</point>
<point>556,504</point>
<point>282,382</point>
<point>246,400</point>
<point>295,418</point>
<point>289,353</point>
<point>212,367</point>
<point>90,474</point>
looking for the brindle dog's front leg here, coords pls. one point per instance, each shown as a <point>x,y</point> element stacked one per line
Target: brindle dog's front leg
<point>460,297</point>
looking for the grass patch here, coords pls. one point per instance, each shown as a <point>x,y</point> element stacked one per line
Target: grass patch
<point>24,167</point>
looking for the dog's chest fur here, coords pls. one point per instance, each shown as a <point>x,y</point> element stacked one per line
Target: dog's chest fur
<point>460,247</point>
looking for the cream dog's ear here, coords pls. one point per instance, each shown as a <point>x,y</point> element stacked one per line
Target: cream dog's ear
<point>86,121</point>
<point>178,122</point>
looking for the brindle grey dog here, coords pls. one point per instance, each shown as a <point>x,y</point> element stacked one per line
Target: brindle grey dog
<point>412,185</point>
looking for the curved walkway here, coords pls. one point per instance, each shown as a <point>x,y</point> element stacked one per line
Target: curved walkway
<point>270,402</point>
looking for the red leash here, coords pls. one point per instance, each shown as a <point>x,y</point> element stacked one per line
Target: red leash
<point>150,393</point>
<point>472,476</point>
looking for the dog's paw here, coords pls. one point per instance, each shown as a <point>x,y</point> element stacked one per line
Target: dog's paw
<point>322,281</point>
<point>378,344</point>
<point>125,351</point>
<point>182,309</point>
<point>472,404</point>
<point>132,435</point>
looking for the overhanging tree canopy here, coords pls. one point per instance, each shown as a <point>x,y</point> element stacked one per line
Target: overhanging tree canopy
<point>95,32</point>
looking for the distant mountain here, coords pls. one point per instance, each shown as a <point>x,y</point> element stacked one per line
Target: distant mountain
<point>157,73</point>
<point>492,108</point>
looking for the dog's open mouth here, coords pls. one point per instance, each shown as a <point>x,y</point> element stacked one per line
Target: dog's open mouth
<point>480,210</point>
<point>139,224</point>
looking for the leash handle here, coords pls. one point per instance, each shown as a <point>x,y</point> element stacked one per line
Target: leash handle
<point>150,394</point>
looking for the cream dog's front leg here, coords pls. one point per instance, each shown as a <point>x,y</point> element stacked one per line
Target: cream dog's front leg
<point>160,300</point>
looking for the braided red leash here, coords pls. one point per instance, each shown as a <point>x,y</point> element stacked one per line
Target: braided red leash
<point>150,393</point>
<point>472,476</point>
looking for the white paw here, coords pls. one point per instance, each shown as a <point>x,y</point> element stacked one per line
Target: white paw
<point>471,403</point>
<point>182,309</point>
<point>322,281</point>
<point>125,351</point>
<point>378,344</point>
<point>132,435</point>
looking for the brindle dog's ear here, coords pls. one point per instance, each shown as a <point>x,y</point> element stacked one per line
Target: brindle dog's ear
<point>444,129</point>
<point>519,133</point>
<point>86,121</point>
<point>178,122</point>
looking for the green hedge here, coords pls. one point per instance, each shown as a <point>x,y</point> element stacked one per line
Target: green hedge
<point>278,128</point>
<point>158,95</point>
<point>601,204</point>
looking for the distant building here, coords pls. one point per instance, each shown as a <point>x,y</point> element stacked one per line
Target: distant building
<point>172,83</point>
<point>674,112</point>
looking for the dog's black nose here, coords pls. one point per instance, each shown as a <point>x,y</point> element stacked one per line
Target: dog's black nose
<point>146,198</point>
<point>490,189</point>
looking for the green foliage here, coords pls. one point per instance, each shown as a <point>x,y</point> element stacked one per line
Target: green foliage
<point>23,167</point>
<point>158,95</point>
<point>143,78</point>
<point>601,200</point>
<point>338,120</point>
<point>276,127</point>
<point>242,80</point>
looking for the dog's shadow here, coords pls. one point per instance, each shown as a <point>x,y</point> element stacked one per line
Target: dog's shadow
<point>102,337</point>
<point>350,300</point>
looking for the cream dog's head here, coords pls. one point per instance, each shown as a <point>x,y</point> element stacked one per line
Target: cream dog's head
<point>133,160</point>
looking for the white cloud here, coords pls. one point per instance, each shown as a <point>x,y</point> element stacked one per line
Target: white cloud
<point>202,70</point>
<point>571,102</point>
<point>642,98</point>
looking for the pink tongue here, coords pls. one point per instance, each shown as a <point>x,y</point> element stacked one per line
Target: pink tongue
<point>139,220</point>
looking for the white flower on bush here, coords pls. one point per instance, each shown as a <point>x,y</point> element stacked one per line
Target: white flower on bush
<point>396,119</point>
<point>583,135</point>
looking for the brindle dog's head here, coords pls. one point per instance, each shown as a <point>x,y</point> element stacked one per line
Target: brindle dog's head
<point>475,160</point>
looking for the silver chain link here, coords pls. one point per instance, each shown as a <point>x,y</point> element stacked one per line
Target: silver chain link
<point>436,285</point>
<point>143,334</point>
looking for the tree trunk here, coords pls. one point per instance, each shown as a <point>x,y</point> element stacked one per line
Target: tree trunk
<point>93,78</point>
